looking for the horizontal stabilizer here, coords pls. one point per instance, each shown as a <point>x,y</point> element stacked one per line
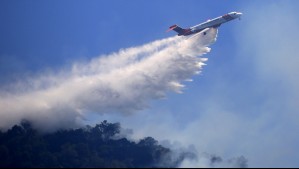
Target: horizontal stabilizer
<point>172,28</point>
<point>179,30</point>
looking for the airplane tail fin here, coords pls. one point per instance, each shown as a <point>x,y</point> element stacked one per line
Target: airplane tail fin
<point>178,29</point>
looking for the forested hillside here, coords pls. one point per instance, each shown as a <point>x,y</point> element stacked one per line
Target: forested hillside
<point>23,146</point>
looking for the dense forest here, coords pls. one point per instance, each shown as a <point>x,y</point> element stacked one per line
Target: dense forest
<point>23,146</point>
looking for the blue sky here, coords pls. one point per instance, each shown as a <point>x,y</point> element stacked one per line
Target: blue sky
<point>51,33</point>
<point>243,103</point>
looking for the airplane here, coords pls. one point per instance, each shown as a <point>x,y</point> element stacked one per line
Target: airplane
<point>214,23</point>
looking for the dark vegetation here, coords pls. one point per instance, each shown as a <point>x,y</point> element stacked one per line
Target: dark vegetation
<point>23,146</point>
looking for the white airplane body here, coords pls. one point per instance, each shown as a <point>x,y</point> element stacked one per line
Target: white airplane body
<point>213,23</point>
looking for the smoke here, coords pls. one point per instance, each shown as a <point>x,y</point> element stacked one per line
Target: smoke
<point>122,82</point>
<point>189,157</point>
<point>205,160</point>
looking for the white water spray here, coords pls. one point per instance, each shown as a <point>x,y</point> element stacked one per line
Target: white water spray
<point>121,82</point>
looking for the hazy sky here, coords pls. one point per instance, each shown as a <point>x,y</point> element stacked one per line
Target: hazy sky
<point>243,103</point>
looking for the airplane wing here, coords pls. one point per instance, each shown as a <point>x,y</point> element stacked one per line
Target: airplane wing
<point>200,32</point>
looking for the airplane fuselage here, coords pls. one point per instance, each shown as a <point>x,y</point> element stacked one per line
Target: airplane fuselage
<point>214,23</point>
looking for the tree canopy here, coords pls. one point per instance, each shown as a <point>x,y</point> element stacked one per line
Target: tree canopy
<point>23,146</point>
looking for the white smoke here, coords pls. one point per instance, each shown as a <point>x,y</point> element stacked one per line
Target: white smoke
<point>120,82</point>
<point>210,161</point>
